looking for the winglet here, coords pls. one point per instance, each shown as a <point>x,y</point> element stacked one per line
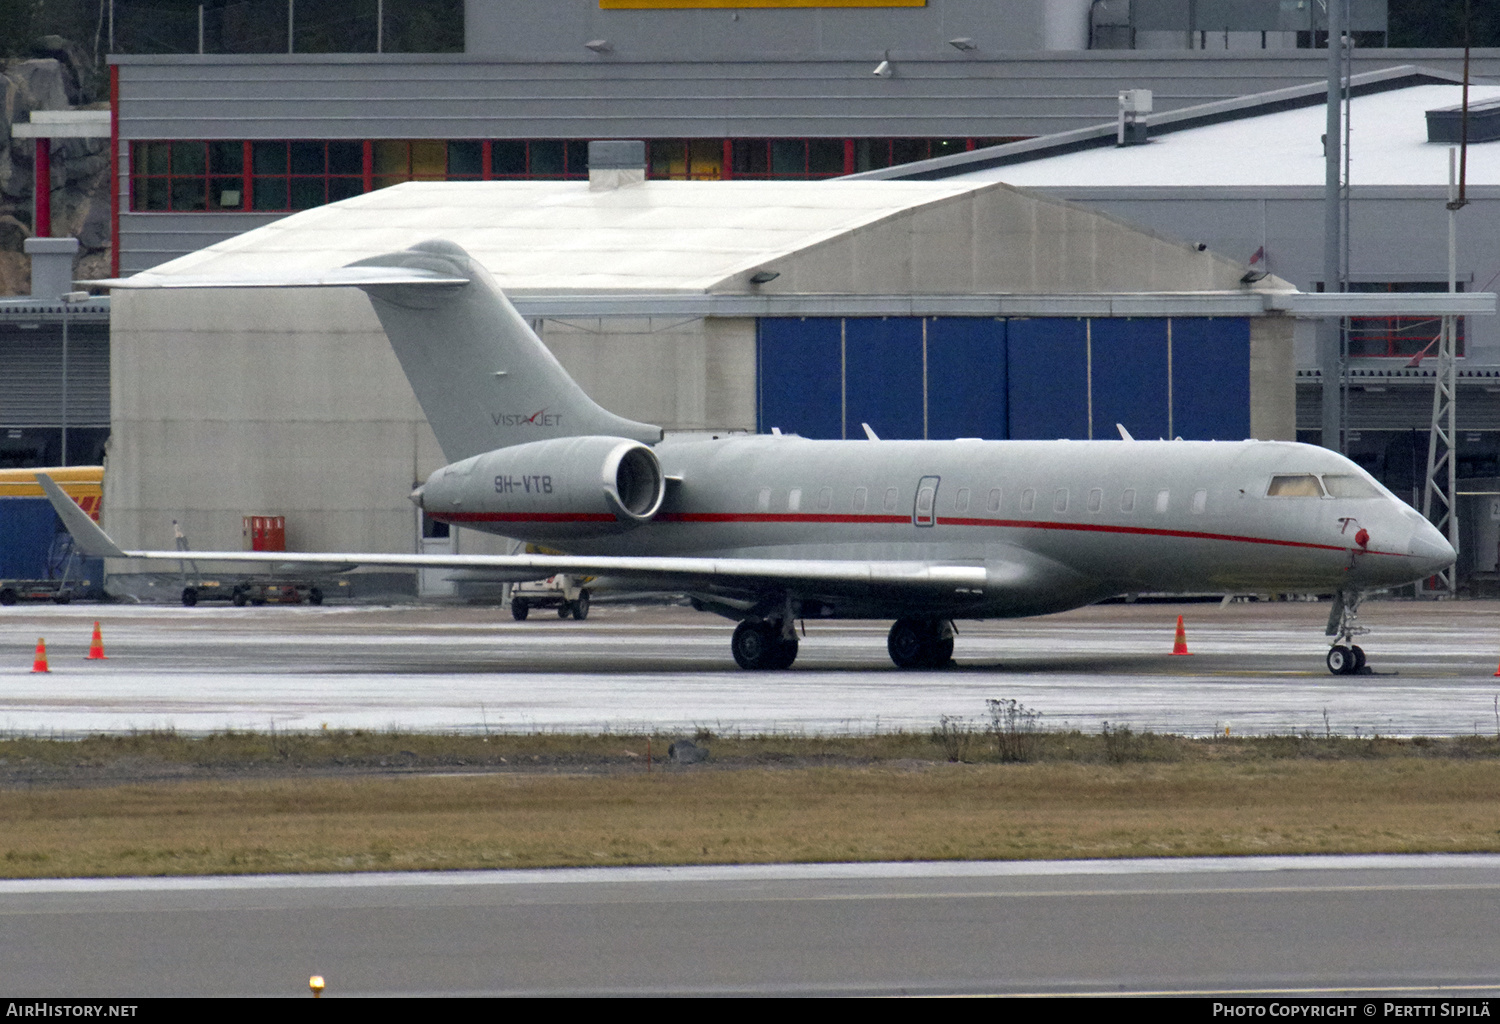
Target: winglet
<point>869,432</point>
<point>92,541</point>
<point>1124,434</point>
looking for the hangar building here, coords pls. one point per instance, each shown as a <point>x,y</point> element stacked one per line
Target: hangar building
<point>925,309</point>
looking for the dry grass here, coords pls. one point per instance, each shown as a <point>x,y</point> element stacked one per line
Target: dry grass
<point>1200,806</point>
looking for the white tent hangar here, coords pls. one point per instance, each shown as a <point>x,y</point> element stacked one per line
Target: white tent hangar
<point>928,309</point>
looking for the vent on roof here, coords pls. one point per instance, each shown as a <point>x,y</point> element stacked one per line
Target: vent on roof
<point>1446,123</point>
<point>1131,130</point>
<point>613,164</point>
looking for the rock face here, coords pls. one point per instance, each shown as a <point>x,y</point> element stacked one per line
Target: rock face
<point>80,167</point>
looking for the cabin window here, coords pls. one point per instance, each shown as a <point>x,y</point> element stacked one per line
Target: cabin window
<point>1028,500</point>
<point>1200,502</point>
<point>1127,501</point>
<point>1301,485</point>
<point>763,500</point>
<point>994,505</point>
<point>1060,500</point>
<point>1347,485</point>
<point>1162,498</point>
<point>961,500</point>
<point>1096,499</point>
<point>794,500</point>
<point>860,497</point>
<point>890,499</point>
<point>825,499</point>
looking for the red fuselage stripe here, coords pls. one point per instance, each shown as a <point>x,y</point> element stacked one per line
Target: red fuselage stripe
<point>885,520</point>
<point>523,517</point>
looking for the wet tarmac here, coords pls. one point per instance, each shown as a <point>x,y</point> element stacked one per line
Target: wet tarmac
<point>1255,668</point>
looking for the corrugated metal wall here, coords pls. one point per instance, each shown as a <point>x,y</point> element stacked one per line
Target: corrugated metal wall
<point>31,375</point>
<point>947,377</point>
<point>979,94</point>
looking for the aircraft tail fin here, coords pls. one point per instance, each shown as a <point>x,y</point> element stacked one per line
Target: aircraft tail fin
<point>483,377</point>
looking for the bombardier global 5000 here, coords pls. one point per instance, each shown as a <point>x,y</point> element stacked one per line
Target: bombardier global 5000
<point>767,530</point>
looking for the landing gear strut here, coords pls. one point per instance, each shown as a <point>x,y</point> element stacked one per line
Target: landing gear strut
<point>921,643</point>
<point>1345,658</point>
<point>763,645</point>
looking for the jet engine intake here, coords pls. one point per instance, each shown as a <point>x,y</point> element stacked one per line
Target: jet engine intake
<point>559,488</point>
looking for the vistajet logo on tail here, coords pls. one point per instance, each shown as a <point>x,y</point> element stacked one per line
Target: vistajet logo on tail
<point>540,418</point>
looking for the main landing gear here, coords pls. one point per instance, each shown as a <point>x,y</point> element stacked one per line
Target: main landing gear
<point>762,644</point>
<point>1345,658</point>
<point>921,643</point>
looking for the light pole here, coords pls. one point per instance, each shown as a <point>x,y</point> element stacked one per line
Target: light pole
<point>68,298</point>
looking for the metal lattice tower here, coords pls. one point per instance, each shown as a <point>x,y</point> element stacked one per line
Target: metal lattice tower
<point>1439,494</point>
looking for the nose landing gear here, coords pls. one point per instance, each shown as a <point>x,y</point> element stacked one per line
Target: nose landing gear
<point>1345,658</point>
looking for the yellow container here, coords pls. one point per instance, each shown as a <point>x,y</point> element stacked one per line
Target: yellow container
<point>84,484</point>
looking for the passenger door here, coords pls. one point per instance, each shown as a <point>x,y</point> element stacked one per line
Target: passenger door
<point>924,511</point>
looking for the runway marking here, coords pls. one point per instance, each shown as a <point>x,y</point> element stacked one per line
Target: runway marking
<point>1349,990</point>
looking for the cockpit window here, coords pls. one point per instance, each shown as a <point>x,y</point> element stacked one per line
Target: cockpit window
<point>1302,485</point>
<point>1347,485</point>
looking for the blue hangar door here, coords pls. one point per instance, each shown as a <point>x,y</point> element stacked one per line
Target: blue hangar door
<point>1021,378</point>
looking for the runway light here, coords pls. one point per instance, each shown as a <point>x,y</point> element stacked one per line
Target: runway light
<point>316,984</point>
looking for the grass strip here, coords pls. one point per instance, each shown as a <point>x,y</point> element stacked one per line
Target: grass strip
<point>927,811</point>
<point>969,743</point>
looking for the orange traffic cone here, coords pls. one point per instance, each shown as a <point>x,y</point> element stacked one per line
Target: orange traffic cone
<point>1497,673</point>
<point>96,645</point>
<point>1180,646</point>
<point>40,664</point>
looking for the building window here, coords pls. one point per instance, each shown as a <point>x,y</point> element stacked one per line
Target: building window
<point>275,176</point>
<point>187,176</point>
<point>303,174</point>
<point>539,159</point>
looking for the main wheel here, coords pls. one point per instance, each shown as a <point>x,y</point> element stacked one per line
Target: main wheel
<point>315,596</point>
<point>581,606</point>
<point>1340,660</point>
<point>189,596</point>
<point>908,643</point>
<point>939,653</point>
<point>1359,658</point>
<point>785,652</point>
<point>755,645</point>
<point>519,609</point>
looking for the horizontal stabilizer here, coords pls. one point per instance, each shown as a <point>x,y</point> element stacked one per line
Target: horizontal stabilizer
<point>339,277</point>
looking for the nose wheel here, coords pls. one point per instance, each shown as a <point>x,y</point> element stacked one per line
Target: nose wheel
<point>1345,658</point>
<point>1345,661</point>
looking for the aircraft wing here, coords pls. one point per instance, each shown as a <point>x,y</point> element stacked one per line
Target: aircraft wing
<point>674,573</point>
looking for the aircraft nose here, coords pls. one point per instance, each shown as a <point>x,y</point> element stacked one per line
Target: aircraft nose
<point>1430,548</point>
<point>416,496</point>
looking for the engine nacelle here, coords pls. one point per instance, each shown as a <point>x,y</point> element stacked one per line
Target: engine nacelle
<point>565,487</point>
